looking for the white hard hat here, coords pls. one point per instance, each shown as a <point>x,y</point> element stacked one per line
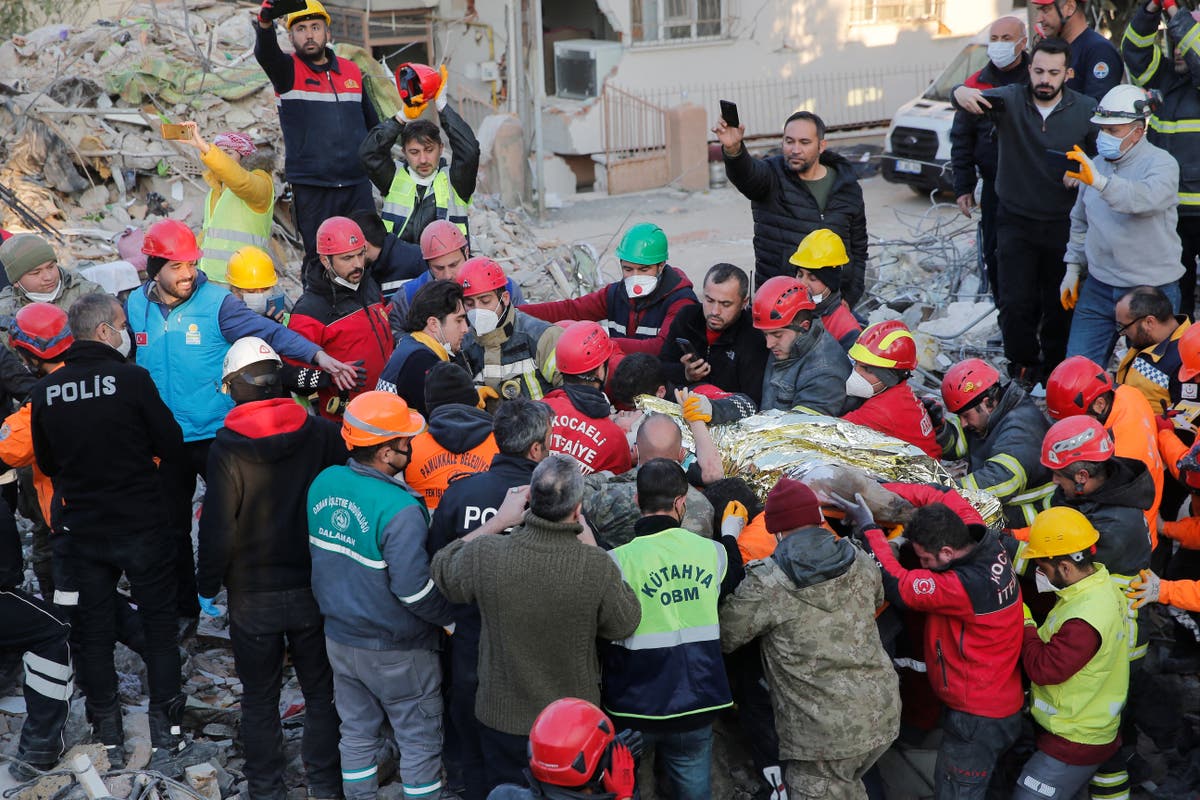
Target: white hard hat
<point>1122,104</point>
<point>244,352</point>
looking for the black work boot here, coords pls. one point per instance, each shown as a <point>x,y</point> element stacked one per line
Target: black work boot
<point>108,727</point>
<point>171,752</point>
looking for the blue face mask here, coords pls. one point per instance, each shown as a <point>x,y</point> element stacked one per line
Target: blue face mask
<point>1109,146</point>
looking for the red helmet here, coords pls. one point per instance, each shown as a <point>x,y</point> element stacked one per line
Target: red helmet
<point>418,83</point>
<point>1074,385</point>
<point>172,240</point>
<point>887,344</point>
<point>1189,354</point>
<point>441,237</point>
<point>582,348</point>
<point>567,741</point>
<point>479,275</point>
<point>966,381</point>
<point>1077,438</point>
<point>339,235</point>
<point>778,301</point>
<point>41,329</point>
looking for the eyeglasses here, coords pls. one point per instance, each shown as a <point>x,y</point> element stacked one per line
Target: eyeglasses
<point>1122,328</point>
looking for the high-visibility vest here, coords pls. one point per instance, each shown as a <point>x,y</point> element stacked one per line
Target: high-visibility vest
<point>229,226</point>
<point>1086,707</point>
<point>671,666</point>
<point>402,199</point>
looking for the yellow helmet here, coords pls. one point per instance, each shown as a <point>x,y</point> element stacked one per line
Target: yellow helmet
<point>820,249</point>
<point>312,8</point>
<point>1060,531</point>
<point>251,268</point>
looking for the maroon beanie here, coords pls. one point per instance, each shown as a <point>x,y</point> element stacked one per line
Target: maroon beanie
<point>792,505</point>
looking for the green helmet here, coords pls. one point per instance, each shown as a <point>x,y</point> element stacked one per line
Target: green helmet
<point>644,243</point>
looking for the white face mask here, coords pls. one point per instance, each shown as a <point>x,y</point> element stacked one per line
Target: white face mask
<point>45,297</point>
<point>858,386</point>
<point>817,298</point>
<point>637,286</point>
<point>256,302</point>
<point>340,281</point>
<point>1002,54</point>
<point>483,320</point>
<point>126,345</point>
<point>1043,583</point>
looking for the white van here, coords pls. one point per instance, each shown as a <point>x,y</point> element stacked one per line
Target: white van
<point>917,148</point>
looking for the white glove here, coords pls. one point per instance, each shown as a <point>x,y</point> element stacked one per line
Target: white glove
<point>442,99</point>
<point>734,519</point>
<point>1068,290</point>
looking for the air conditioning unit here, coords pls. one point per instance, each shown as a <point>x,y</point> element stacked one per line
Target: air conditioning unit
<point>580,66</point>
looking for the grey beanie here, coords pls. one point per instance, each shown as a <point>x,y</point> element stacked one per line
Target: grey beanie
<point>24,253</point>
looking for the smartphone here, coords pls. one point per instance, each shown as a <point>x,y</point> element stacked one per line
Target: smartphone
<point>170,130</point>
<point>686,346</point>
<point>729,113</point>
<point>282,8</point>
<point>1058,164</point>
<point>275,304</point>
<point>997,103</point>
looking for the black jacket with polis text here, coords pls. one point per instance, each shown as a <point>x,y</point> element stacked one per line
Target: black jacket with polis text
<point>98,423</point>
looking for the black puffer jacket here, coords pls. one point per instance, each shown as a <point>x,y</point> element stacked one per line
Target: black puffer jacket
<point>785,212</point>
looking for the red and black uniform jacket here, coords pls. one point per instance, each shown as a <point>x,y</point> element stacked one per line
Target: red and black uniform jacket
<point>897,412</point>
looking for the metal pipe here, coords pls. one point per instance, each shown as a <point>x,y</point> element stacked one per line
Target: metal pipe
<point>539,94</point>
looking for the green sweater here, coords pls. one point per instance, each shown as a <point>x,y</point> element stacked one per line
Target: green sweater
<point>544,598</point>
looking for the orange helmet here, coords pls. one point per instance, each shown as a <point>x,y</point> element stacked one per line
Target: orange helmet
<point>1189,353</point>
<point>479,275</point>
<point>1074,385</point>
<point>441,237</point>
<point>378,417</point>
<point>172,240</point>
<point>887,344</point>
<point>966,381</point>
<point>1077,438</point>
<point>778,301</point>
<point>339,235</point>
<point>582,348</point>
<point>41,329</point>
<point>567,741</point>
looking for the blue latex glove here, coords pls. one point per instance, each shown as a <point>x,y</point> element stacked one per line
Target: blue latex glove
<point>209,607</point>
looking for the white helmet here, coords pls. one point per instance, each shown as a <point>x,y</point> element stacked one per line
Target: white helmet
<point>1122,104</point>
<point>244,352</point>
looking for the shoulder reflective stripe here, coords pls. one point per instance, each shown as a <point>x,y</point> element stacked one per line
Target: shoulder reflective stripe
<point>1189,41</point>
<point>1167,126</point>
<point>959,449</point>
<point>390,286</point>
<point>642,330</point>
<point>359,774</point>
<point>1143,78</point>
<point>910,663</point>
<point>614,326</point>
<point>320,97</point>
<point>55,691</point>
<point>422,790</point>
<point>1138,39</point>
<point>51,669</point>
<point>412,598</point>
<point>62,598</point>
<point>1042,705</point>
<point>1013,484</point>
<point>346,551</point>
<point>654,641</point>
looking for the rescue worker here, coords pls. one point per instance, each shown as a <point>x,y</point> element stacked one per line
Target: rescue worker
<point>324,116</point>
<point>422,187</point>
<point>807,368</point>
<point>1033,223</point>
<point>819,260</point>
<point>969,595</point>
<point>1113,493</point>
<point>342,309</point>
<point>437,323</point>
<point>1153,332</point>
<point>1174,124</point>
<point>1078,386</point>
<point>370,574</point>
<point>508,351</point>
<point>582,427</point>
<point>727,350</point>
<point>667,680</point>
<point>999,429</point>
<point>458,440</point>
<point>544,598</point>
<point>253,538</point>
<point>184,326</point>
<point>251,276</point>
<point>638,310</point>
<point>238,210</point>
<point>574,751</point>
<point>391,262</point>
<point>1077,661</point>
<point>34,275</point>
<point>1123,223</point>
<point>834,690</point>
<point>1095,63</point>
<point>98,426</point>
<point>974,155</point>
<point>522,432</point>
<point>792,194</point>
<point>884,357</point>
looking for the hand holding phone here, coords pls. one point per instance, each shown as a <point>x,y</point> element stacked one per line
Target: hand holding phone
<point>729,113</point>
<point>174,131</point>
<point>1058,164</point>
<point>686,346</point>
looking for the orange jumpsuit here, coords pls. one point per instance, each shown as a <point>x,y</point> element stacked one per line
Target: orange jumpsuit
<point>16,450</point>
<point>1135,435</point>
